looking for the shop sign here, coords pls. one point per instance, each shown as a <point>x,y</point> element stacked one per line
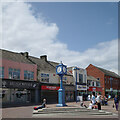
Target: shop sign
<point>93,89</point>
<point>43,87</point>
<point>81,87</point>
<point>19,84</point>
<point>69,88</point>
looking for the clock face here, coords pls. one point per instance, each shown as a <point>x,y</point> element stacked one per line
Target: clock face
<point>64,69</point>
<point>59,69</point>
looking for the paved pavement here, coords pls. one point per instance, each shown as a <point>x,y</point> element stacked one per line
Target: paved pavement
<point>27,112</point>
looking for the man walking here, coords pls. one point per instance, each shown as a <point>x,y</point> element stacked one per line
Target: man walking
<point>98,99</point>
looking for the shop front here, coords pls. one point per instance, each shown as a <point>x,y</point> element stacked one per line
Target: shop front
<point>112,92</point>
<point>94,89</point>
<point>19,91</point>
<point>82,91</point>
<point>49,92</point>
<point>69,93</point>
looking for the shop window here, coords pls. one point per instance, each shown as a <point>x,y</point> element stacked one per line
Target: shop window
<point>80,78</point>
<point>1,72</point>
<point>14,73</point>
<point>28,75</point>
<point>44,77</point>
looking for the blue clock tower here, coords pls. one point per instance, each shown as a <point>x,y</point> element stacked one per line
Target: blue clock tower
<point>61,70</point>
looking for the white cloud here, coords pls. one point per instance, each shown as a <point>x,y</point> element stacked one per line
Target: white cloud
<point>22,31</point>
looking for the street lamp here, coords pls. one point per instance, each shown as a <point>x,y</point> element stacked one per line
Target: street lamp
<point>75,68</point>
<point>61,70</point>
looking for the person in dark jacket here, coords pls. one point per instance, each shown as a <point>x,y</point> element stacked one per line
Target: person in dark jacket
<point>116,102</point>
<point>42,106</point>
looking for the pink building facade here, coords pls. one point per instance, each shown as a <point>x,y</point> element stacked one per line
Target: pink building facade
<point>19,79</point>
<point>6,64</point>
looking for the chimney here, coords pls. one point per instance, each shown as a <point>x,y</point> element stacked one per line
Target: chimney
<point>43,57</point>
<point>26,54</point>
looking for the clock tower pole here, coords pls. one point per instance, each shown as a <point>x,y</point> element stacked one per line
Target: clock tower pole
<point>61,70</point>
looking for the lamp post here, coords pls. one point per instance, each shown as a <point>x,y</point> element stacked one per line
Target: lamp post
<point>75,68</point>
<point>61,70</point>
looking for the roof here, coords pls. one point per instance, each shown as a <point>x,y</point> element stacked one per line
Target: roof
<point>14,56</point>
<point>91,78</point>
<point>108,73</point>
<point>46,65</point>
<point>42,64</point>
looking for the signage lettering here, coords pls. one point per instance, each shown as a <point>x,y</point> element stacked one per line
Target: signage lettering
<point>43,87</point>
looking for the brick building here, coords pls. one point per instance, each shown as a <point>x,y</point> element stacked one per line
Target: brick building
<point>109,81</point>
<point>93,85</point>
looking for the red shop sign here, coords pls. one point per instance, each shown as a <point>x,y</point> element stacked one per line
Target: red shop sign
<point>98,89</point>
<point>43,87</point>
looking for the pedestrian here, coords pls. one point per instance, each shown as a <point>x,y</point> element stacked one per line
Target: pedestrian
<point>42,106</point>
<point>98,100</point>
<point>116,102</point>
<point>109,97</point>
<point>90,105</point>
<point>93,99</point>
<point>89,98</point>
<point>83,105</point>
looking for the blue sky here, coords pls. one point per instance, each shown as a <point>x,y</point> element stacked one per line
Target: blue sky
<point>81,25</point>
<point>78,34</point>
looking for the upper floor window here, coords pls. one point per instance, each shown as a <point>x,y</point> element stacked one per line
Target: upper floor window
<point>80,78</point>
<point>14,73</point>
<point>98,84</point>
<point>93,84</point>
<point>64,79</point>
<point>28,75</point>
<point>98,78</point>
<point>1,72</point>
<point>89,82</point>
<point>44,77</point>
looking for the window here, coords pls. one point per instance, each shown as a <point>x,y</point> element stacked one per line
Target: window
<point>1,72</point>
<point>105,80</point>
<point>80,78</point>
<point>92,83</point>
<point>44,77</point>
<point>85,78</point>
<point>14,73</point>
<point>108,80</point>
<point>89,82</point>
<point>98,78</point>
<point>28,75</point>
<point>98,84</point>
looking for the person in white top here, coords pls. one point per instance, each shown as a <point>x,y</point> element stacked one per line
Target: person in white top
<point>90,105</point>
<point>98,100</point>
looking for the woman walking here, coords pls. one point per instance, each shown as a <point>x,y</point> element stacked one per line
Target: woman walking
<point>116,102</point>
